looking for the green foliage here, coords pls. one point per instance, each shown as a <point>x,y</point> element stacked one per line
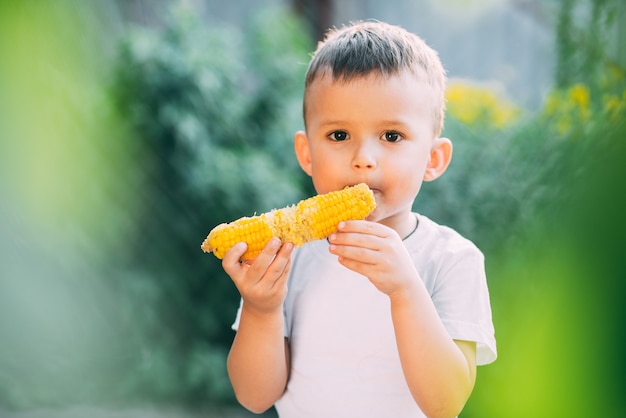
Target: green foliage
<point>213,109</point>
<point>550,219</point>
<point>65,166</point>
<point>584,33</point>
<point>502,177</point>
<point>105,295</point>
<point>557,289</point>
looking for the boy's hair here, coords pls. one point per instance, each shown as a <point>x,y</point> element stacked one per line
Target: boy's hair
<point>370,47</point>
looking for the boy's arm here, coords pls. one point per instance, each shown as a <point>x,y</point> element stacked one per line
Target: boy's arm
<point>439,371</point>
<point>258,362</point>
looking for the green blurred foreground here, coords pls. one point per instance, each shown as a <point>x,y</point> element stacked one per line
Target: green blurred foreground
<point>116,159</point>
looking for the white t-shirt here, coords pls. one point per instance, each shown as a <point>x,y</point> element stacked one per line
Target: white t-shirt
<point>344,359</point>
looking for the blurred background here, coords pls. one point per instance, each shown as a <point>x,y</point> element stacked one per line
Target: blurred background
<point>129,128</point>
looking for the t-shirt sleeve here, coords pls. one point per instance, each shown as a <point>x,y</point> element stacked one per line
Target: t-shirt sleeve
<point>461,297</point>
<point>235,325</point>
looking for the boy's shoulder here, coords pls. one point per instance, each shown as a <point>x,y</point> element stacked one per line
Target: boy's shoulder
<point>438,238</point>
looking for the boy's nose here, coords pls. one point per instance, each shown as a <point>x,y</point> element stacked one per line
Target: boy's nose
<point>364,158</point>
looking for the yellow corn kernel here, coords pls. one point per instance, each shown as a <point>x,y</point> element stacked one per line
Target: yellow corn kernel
<point>311,219</point>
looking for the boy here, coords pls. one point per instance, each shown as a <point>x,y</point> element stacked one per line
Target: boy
<point>390,316</point>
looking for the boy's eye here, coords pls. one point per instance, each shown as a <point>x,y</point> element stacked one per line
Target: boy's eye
<point>392,136</point>
<point>338,136</point>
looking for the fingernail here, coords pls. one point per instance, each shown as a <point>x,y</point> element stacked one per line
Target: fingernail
<point>275,242</point>
<point>341,225</point>
<point>332,237</point>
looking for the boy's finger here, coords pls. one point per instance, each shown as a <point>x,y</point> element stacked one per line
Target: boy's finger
<point>363,227</point>
<point>283,258</point>
<point>232,257</point>
<point>270,249</point>
<point>264,259</point>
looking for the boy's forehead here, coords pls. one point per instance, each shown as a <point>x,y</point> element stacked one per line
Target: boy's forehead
<point>326,80</point>
<point>325,91</point>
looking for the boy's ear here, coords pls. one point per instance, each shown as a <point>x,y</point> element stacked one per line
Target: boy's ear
<point>440,156</point>
<point>303,152</point>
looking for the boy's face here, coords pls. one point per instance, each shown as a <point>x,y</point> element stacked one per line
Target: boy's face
<point>377,130</point>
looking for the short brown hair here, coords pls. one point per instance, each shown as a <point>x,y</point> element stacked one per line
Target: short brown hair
<point>369,47</point>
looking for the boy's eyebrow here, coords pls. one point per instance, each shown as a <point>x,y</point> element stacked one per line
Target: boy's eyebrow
<point>393,122</point>
<point>332,123</point>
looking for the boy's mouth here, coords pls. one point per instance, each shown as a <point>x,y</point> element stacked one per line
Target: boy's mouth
<point>374,190</point>
<point>360,182</point>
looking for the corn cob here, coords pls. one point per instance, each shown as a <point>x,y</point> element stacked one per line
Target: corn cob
<point>311,219</point>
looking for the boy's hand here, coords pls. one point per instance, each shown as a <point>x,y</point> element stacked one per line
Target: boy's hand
<point>263,282</point>
<point>375,251</point>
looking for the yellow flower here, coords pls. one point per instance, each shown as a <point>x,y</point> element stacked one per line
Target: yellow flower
<point>579,95</point>
<point>568,108</point>
<point>472,104</point>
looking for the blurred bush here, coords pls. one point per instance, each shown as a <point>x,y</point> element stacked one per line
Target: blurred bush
<point>64,166</point>
<point>113,173</point>
<point>213,109</point>
<point>543,197</point>
<point>558,285</point>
